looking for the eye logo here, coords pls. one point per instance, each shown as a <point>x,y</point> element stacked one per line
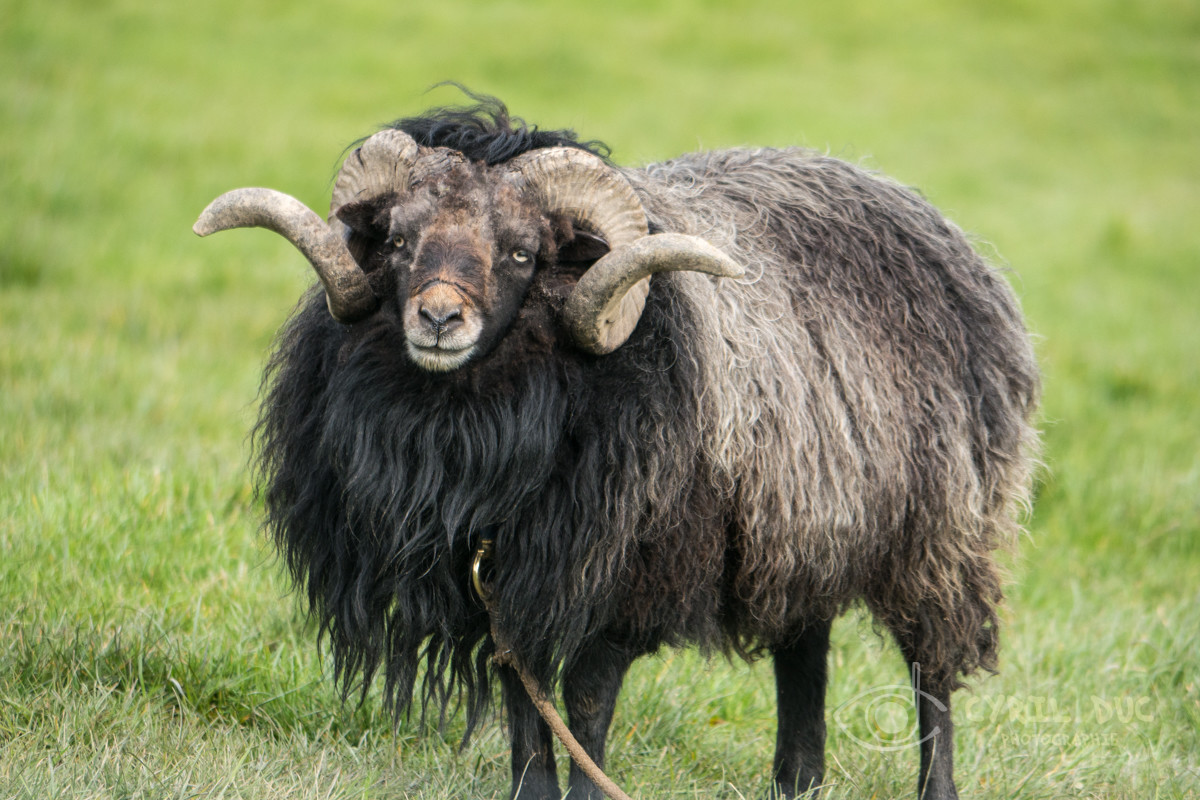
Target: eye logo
<point>886,718</point>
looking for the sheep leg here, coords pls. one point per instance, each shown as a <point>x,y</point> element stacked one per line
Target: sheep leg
<point>801,670</point>
<point>936,778</point>
<point>590,690</point>
<point>533,772</point>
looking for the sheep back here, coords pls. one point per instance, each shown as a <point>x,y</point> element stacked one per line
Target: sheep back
<point>866,392</point>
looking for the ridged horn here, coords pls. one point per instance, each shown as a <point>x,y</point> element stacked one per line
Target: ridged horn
<point>607,302</point>
<point>347,290</point>
<point>575,182</point>
<point>379,165</point>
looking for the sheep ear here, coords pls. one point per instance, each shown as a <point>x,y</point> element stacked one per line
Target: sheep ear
<point>365,217</point>
<point>582,247</point>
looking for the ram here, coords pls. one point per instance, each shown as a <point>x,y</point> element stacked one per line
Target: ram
<point>713,401</point>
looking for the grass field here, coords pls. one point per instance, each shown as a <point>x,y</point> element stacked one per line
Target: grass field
<point>149,647</point>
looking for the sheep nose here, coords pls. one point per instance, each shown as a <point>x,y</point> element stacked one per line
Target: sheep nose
<point>442,319</point>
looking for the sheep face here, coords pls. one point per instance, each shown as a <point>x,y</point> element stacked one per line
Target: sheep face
<point>459,250</point>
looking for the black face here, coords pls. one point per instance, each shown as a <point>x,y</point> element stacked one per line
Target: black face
<point>474,261</point>
<point>463,247</point>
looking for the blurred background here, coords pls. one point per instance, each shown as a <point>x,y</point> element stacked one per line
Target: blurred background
<point>148,644</point>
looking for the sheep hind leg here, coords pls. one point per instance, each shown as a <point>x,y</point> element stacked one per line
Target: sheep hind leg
<point>534,776</point>
<point>801,672</point>
<point>590,690</point>
<point>936,778</point>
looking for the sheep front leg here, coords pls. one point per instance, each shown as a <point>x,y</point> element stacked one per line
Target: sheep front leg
<point>801,671</point>
<point>590,690</point>
<point>533,772</point>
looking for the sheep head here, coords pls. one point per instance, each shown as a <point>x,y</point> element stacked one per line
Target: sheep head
<point>464,240</point>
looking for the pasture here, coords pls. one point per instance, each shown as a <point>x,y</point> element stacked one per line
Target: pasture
<point>149,645</point>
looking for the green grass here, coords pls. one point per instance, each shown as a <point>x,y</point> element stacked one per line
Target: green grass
<point>149,646</point>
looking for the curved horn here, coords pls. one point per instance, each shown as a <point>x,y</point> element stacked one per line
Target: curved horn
<point>607,303</point>
<point>608,300</point>
<point>347,291</point>
<point>379,165</point>
<point>575,182</point>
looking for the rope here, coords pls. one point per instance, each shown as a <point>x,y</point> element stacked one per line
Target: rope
<point>505,656</point>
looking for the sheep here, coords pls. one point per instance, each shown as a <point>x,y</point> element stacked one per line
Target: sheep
<point>713,401</point>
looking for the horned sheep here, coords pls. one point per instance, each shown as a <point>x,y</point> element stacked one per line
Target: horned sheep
<point>712,401</point>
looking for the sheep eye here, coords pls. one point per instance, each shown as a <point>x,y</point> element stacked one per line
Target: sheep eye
<point>398,241</point>
<point>521,256</point>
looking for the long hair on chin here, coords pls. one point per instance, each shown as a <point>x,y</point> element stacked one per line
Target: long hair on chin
<point>379,481</point>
